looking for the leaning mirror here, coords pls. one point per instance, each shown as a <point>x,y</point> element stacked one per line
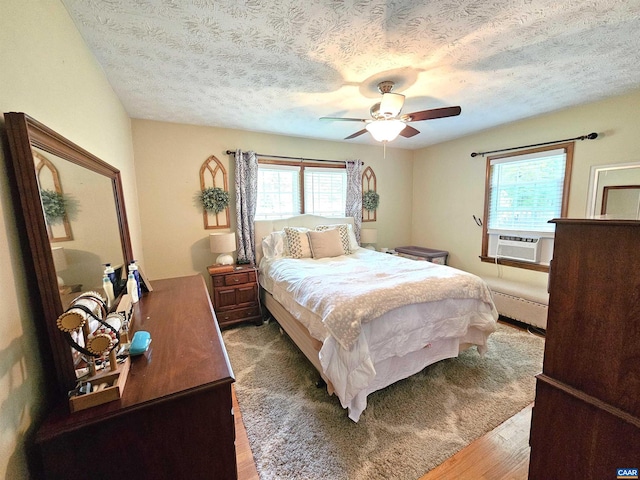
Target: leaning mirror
<point>614,191</point>
<point>74,220</point>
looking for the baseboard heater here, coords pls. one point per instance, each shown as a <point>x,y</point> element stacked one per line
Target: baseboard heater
<point>524,249</point>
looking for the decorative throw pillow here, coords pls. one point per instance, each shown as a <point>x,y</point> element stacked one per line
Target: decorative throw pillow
<point>326,243</point>
<point>343,230</point>
<point>298,242</point>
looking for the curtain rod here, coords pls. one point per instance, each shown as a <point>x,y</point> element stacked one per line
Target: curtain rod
<point>591,136</point>
<point>230,152</point>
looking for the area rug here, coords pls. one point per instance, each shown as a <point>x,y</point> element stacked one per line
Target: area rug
<point>298,431</point>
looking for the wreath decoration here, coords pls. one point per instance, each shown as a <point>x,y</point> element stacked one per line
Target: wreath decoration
<point>370,200</point>
<point>214,199</point>
<point>54,205</point>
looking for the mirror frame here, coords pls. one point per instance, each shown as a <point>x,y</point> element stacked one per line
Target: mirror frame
<point>24,133</point>
<point>593,209</point>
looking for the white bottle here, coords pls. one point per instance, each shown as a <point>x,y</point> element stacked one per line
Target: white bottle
<point>108,290</point>
<point>110,272</point>
<point>132,288</point>
<point>133,268</point>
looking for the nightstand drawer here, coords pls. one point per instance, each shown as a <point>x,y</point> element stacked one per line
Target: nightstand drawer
<point>234,279</point>
<point>238,314</point>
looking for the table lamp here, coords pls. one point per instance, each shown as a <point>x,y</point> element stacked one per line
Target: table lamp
<point>59,262</point>
<point>223,244</point>
<point>368,237</point>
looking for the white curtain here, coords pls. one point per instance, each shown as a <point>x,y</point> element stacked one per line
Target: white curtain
<point>354,194</point>
<point>246,196</point>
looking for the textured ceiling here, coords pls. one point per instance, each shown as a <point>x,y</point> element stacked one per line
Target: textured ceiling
<point>278,65</point>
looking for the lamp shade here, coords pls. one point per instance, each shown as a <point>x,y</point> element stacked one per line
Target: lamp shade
<point>59,258</point>
<point>59,262</point>
<point>391,104</point>
<point>224,244</point>
<point>385,130</point>
<point>368,235</point>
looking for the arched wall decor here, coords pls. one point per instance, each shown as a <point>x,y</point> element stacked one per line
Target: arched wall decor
<point>213,174</point>
<point>369,183</point>
<point>49,179</point>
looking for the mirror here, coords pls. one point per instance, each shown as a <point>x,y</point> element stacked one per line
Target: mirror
<point>95,211</point>
<point>90,208</point>
<point>614,191</point>
<point>621,201</point>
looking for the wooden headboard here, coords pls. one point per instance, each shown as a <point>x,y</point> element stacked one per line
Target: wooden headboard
<point>265,227</point>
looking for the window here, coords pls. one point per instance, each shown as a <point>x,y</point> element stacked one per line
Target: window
<point>286,189</point>
<point>278,191</point>
<point>523,192</point>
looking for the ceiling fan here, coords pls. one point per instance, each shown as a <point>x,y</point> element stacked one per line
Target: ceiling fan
<point>387,123</point>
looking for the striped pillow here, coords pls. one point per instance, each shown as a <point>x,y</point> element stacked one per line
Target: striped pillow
<point>298,242</point>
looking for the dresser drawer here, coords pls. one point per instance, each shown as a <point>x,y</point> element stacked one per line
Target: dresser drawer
<point>238,314</point>
<point>234,279</point>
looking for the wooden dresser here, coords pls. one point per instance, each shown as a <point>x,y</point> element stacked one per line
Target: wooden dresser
<point>175,418</point>
<point>586,416</point>
<point>235,295</point>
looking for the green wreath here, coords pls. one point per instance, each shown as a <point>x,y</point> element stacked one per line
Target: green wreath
<point>370,200</point>
<point>54,205</point>
<point>214,199</point>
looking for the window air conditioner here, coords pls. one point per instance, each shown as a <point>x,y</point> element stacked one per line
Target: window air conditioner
<point>524,249</point>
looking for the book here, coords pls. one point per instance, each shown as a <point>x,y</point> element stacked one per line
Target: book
<point>213,269</point>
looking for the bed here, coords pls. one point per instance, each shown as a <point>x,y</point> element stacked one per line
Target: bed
<point>365,319</point>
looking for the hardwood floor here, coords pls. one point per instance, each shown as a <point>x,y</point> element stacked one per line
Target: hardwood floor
<point>502,454</point>
<point>244,457</point>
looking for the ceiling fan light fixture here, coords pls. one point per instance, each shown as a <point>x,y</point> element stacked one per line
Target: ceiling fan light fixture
<point>385,130</point>
<point>391,104</point>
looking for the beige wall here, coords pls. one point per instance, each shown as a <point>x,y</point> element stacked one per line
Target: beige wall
<point>448,185</point>
<point>168,159</point>
<point>47,72</point>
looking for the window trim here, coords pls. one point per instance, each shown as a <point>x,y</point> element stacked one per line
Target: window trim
<point>568,147</point>
<point>301,164</point>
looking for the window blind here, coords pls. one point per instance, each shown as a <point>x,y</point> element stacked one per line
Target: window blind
<point>325,191</point>
<point>278,191</point>
<point>526,191</point>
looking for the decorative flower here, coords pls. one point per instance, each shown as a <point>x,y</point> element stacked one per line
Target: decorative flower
<point>370,200</point>
<point>54,204</point>
<point>214,199</point>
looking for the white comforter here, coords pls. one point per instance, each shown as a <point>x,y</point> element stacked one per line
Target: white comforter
<point>337,298</point>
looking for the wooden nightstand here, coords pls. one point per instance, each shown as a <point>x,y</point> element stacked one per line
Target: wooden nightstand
<point>235,294</point>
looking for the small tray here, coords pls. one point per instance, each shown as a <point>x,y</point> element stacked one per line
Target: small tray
<point>116,379</point>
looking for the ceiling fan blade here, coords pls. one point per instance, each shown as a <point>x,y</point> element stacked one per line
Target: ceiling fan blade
<point>357,134</point>
<point>433,113</point>
<point>409,131</point>
<point>340,119</point>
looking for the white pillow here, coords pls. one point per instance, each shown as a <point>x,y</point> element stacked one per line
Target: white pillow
<point>274,245</point>
<point>298,242</point>
<point>353,243</point>
<point>326,243</point>
<point>348,237</point>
